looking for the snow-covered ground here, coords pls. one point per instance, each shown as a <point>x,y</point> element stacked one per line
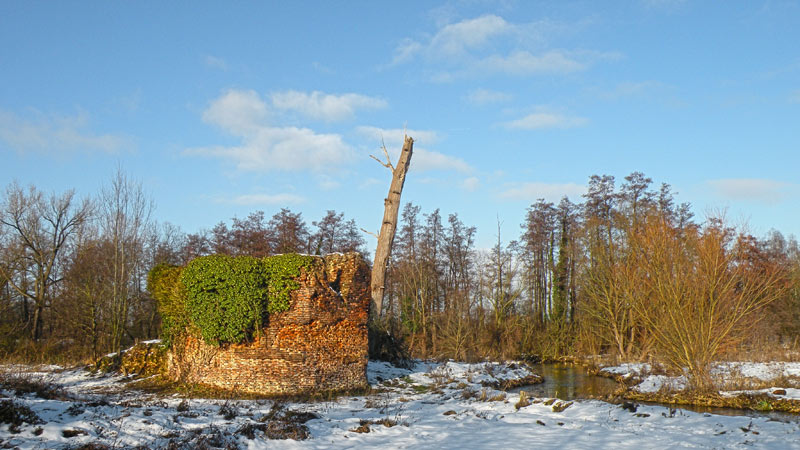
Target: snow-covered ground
<point>432,405</point>
<point>777,379</point>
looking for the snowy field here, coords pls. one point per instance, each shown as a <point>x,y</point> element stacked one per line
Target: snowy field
<point>430,406</point>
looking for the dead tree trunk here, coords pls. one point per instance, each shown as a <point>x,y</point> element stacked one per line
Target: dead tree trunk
<point>389,224</point>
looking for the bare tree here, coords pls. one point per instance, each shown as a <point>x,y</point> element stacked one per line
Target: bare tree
<point>37,229</point>
<point>125,222</point>
<point>288,232</point>
<point>502,288</point>
<point>82,308</point>
<point>334,234</point>
<point>389,223</point>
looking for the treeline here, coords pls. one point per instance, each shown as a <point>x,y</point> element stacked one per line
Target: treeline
<point>73,271</point>
<point>627,272</point>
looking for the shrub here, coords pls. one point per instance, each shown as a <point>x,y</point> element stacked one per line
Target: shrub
<point>165,285</point>
<point>15,414</point>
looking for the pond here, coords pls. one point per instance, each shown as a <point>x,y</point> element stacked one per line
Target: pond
<point>568,382</point>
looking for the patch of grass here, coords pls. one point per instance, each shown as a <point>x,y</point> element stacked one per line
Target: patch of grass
<point>93,446</point>
<point>420,388</point>
<point>376,402</point>
<point>734,380</point>
<point>512,383</point>
<point>468,393</point>
<point>763,405</point>
<point>523,401</point>
<point>280,423</point>
<point>76,409</point>
<point>183,406</point>
<point>162,386</point>
<point>228,411</point>
<point>15,414</point>
<point>364,425</point>
<point>499,397</point>
<point>561,406</point>
<point>23,384</point>
<point>757,402</point>
<point>201,439</point>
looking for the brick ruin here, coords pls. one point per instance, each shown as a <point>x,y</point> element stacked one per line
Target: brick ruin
<point>319,344</point>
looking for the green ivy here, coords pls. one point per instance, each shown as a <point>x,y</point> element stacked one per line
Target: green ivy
<point>281,271</point>
<point>229,298</point>
<point>165,285</point>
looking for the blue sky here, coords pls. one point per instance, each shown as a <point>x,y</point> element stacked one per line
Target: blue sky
<point>224,108</point>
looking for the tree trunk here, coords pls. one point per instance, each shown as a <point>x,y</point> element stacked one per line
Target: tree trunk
<point>389,224</point>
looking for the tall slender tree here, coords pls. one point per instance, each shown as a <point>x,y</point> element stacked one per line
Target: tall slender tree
<point>125,222</point>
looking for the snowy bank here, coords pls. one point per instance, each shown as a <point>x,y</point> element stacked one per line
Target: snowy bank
<point>432,405</point>
<point>762,386</point>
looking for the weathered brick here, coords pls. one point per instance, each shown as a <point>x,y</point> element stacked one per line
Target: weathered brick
<point>319,344</point>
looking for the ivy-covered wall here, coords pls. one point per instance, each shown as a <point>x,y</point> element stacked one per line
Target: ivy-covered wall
<point>225,299</point>
<point>279,325</point>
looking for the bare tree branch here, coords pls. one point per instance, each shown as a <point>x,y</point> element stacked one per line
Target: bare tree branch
<point>370,233</point>
<point>388,163</point>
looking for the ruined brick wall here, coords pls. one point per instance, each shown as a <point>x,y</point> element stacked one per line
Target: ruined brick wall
<point>319,344</point>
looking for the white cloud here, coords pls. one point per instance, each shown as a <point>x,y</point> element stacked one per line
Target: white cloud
<point>267,199</point>
<point>487,96</point>
<point>525,63</point>
<point>458,38</point>
<point>217,63</point>
<point>751,189</point>
<point>287,148</point>
<point>393,137</point>
<point>422,159</point>
<point>327,107</point>
<point>490,44</point>
<point>634,89</point>
<point>406,51</point>
<point>55,134</point>
<point>237,112</point>
<point>265,147</point>
<point>552,192</point>
<point>470,184</point>
<point>542,120</point>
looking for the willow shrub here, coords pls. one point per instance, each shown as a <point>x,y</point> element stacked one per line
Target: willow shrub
<point>226,298</point>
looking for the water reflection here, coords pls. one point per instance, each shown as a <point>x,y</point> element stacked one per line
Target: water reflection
<point>568,382</point>
<point>571,382</point>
